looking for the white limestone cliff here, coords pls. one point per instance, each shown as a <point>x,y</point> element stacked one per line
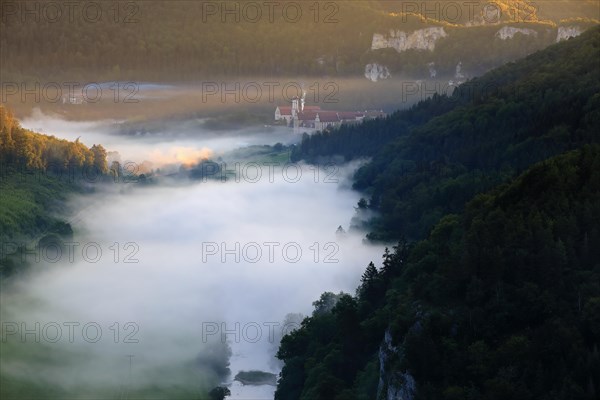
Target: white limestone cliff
<point>375,72</point>
<point>566,32</point>
<point>508,32</point>
<point>422,39</point>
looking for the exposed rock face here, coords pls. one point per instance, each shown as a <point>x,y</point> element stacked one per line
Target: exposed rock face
<point>375,72</point>
<point>422,39</point>
<point>565,32</point>
<point>459,76</point>
<point>432,70</point>
<point>393,385</point>
<point>508,32</point>
<point>403,387</point>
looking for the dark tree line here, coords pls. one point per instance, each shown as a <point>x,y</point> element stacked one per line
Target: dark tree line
<point>23,150</point>
<point>499,302</point>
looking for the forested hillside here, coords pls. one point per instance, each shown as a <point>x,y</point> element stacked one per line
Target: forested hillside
<point>37,172</point>
<point>493,291</point>
<point>190,40</point>
<point>22,149</point>
<point>500,302</point>
<point>443,151</point>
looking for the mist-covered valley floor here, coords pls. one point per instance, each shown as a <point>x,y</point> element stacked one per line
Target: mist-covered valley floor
<point>172,287</point>
<point>435,236</point>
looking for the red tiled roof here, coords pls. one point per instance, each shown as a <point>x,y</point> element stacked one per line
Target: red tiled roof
<point>312,108</point>
<point>307,116</point>
<point>328,116</point>
<point>285,110</point>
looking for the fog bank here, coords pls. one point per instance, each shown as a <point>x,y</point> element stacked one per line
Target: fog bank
<point>172,274</point>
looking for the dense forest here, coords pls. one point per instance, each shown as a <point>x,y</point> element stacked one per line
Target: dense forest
<point>22,149</point>
<point>159,40</point>
<point>37,172</point>
<point>493,291</point>
<point>499,302</point>
<point>444,150</point>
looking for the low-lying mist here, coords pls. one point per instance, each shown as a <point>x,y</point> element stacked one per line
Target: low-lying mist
<point>179,141</point>
<point>254,98</point>
<point>173,275</point>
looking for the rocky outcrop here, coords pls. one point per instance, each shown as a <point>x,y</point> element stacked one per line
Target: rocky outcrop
<point>393,385</point>
<point>422,39</point>
<point>402,387</point>
<point>566,32</point>
<point>375,72</point>
<point>459,77</point>
<point>508,32</point>
<point>432,70</point>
